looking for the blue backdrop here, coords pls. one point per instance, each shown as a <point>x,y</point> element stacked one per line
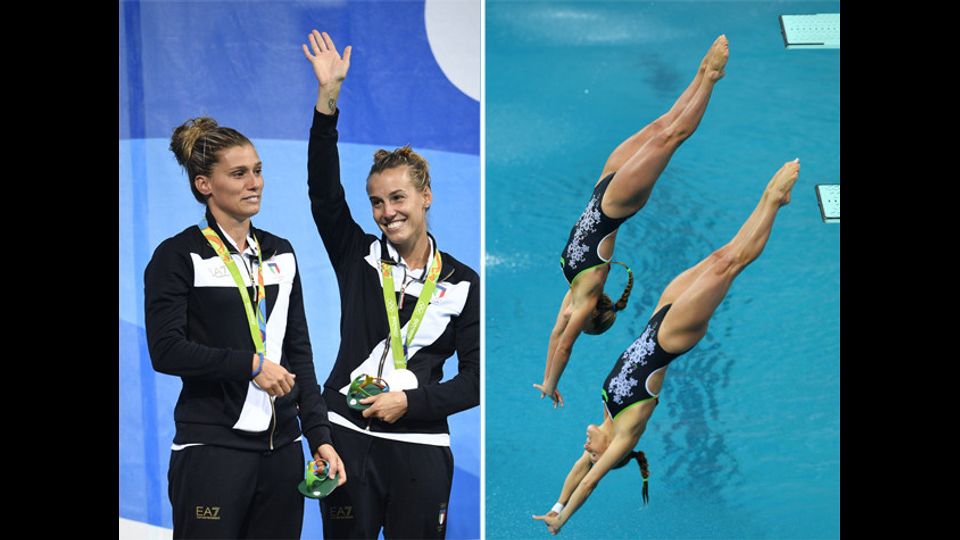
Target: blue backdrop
<point>241,63</point>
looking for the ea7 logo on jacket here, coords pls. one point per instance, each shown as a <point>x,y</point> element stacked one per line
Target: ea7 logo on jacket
<point>208,512</point>
<point>219,271</point>
<point>211,272</point>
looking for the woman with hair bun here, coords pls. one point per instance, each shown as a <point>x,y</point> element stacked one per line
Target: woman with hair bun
<point>623,189</point>
<point>630,392</point>
<point>406,307</point>
<point>224,312</point>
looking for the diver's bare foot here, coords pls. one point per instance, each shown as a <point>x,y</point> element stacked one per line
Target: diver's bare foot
<point>783,181</point>
<point>717,59</point>
<point>706,58</point>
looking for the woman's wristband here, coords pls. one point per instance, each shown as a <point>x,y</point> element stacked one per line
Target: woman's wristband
<point>259,367</point>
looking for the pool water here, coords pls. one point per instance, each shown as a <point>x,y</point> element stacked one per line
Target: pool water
<point>746,440</point>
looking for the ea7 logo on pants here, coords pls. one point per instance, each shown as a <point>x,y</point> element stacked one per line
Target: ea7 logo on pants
<point>208,512</point>
<point>341,512</point>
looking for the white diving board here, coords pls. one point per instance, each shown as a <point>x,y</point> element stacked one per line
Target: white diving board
<point>820,31</point>
<point>828,195</point>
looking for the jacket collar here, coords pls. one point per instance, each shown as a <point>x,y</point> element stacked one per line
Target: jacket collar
<point>230,242</point>
<point>390,255</point>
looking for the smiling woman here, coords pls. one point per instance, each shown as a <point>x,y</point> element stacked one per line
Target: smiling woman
<point>399,190</point>
<point>236,453</point>
<point>401,297</point>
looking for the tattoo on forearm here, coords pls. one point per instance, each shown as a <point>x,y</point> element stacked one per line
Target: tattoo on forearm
<point>332,104</point>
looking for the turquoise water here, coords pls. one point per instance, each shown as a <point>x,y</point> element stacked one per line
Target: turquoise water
<point>746,440</point>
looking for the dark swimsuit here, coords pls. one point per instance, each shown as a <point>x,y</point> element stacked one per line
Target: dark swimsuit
<point>626,385</point>
<point>582,251</point>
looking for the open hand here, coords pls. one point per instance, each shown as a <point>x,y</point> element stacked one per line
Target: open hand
<point>552,392</point>
<point>551,520</point>
<point>328,66</point>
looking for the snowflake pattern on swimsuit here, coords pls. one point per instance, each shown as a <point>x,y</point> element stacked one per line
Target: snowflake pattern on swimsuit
<point>622,385</point>
<point>585,225</point>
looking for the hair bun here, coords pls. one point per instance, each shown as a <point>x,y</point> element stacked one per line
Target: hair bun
<point>187,135</point>
<point>418,167</point>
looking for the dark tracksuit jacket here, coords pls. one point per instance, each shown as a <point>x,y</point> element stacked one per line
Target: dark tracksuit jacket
<point>451,324</point>
<point>197,330</point>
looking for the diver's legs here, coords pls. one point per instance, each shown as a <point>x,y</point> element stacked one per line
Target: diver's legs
<point>633,143</point>
<point>634,181</point>
<point>696,293</point>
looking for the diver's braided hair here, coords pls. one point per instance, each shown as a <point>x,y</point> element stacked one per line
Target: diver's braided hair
<point>622,302</point>
<point>644,470</point>
<point>605,312</point>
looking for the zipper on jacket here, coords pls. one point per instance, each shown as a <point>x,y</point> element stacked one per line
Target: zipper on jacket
<point>273,425</point>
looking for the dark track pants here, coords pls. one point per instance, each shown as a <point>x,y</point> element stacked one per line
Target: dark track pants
<point>402,487</point>
<point>224,493</point>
